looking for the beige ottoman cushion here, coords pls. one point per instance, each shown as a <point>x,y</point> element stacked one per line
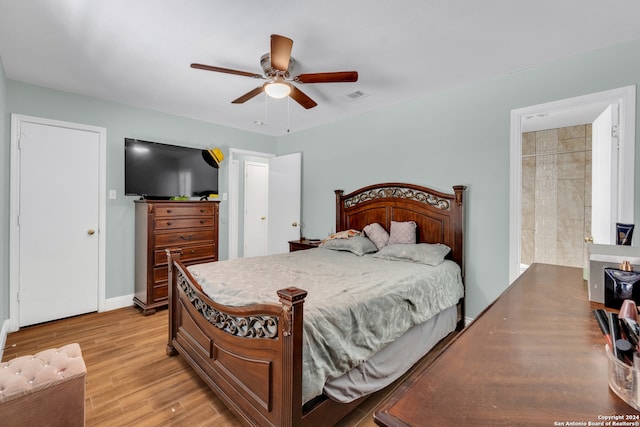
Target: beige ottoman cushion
<point>47,388</point>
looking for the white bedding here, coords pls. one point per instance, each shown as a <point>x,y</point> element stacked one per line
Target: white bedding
<point>355,305</point>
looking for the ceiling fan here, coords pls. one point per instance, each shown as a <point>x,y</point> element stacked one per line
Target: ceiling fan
<point>277,66</point>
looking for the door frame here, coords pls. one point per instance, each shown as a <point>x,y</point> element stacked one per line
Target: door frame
<point>625,97</point>
<point>14,208</point>
<point>234,195</point>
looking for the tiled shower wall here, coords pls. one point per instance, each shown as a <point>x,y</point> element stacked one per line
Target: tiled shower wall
<point>556,195</point>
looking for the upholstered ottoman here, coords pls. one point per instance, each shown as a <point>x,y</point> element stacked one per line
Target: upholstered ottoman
<point>46,389</point>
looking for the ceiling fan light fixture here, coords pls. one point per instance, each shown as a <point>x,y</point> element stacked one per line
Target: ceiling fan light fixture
<point>277,89</point>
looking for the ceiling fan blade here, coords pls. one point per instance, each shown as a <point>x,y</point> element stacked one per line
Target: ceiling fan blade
<point>247,96</point>
<point>226,70</point>
<point>301,98</point>
<point>335,77</point>
<point>280,52</point>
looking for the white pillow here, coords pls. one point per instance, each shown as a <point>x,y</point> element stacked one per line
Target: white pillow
<point>423,253</point>
<point>377,234</point>
<point>358,245</point>
<point>402,232</point>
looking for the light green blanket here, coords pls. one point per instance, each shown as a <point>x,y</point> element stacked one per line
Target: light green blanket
<point>355,305</point>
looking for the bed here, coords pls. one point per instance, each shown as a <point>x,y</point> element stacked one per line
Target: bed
<point>252,346</point>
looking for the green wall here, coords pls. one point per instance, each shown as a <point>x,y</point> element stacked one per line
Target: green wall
<point>458,136</point>
<point>123,121</point>
<point>4,199</point>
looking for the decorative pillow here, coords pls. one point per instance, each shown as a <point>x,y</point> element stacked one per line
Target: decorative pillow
<point>424,253</point>
<point>346,234</point>
<point>377,234</point>
<point>402,232</point>
<point>358,245</point>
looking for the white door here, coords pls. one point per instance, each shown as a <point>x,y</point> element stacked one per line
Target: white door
<point>58,220</point>
<point>284,201</point>
<point>256,190</point>
<point>604,190</point>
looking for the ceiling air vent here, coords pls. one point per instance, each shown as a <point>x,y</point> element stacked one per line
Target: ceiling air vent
<point>355,95</point>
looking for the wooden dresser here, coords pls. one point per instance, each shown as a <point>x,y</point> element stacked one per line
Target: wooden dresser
<point>535,357</point>
<point>189,225</point>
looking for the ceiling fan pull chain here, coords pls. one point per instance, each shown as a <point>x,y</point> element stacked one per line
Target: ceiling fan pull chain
<point>266,99</point>
<point>288,114</point>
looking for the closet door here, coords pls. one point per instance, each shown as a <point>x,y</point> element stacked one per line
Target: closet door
<point>58,222</point>
<point>284,201</point>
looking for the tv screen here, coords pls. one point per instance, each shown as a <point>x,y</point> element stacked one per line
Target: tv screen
<point>161,171</point>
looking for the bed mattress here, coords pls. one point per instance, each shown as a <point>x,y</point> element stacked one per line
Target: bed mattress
<point>356,305</point>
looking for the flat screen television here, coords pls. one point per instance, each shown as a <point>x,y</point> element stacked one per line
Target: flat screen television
<point>160,171</point>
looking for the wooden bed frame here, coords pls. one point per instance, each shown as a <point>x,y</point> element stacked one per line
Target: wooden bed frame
<point>252,356</point>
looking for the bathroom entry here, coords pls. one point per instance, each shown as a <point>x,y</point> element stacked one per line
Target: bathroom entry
<point>556,182</point>
<point>556,195</point>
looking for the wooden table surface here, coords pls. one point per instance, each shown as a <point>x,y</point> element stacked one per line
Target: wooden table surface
<point>534,357</point>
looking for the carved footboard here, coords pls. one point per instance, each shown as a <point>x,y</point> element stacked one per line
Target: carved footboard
<point>250,356</point>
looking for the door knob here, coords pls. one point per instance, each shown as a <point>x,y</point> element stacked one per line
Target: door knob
<point>588,239</point>
<point>91,232</point>
<point>263,218</point>
<point>294,224</point>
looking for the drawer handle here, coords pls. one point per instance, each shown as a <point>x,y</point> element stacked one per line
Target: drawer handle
<point>189,237</point>
<point>201,210</point>
<point>202,221</point>
<point>169,223</point>
<point>169,211</point>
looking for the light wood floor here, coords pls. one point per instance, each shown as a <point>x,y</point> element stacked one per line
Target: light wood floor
<point>131,380</point>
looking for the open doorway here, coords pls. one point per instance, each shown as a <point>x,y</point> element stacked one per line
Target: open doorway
<point>278,186</point>
<point>566,113</point>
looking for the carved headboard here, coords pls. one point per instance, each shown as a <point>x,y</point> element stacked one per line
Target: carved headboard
<point>439,216</point>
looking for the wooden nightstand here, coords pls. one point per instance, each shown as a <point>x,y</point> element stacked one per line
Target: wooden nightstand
<point>302,244</point>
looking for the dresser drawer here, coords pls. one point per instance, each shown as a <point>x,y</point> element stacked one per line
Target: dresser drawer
<point>160,292</point>
<point>184,237</point>
<point>170,223</point>
<point>178,209</point>
<point>188,253</point>
<point>160,274</point>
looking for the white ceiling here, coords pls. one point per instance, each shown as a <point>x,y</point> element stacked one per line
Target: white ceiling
<point>138,51</point>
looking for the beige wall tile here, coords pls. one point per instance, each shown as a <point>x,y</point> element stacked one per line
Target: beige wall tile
<point>570,243</point>
<point>544,247</point>
<point>573,144</point>
<point>570,132</point>
<point>528,192</point>
<point>571,200</point>
<point>527,247</point>
<point>528,143</point>
<point>547,141</point>
<point>571,165</point>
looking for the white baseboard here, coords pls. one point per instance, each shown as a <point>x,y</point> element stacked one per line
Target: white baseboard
<point>119,302</point>
<point>467,321</point>
<point>3,336</point>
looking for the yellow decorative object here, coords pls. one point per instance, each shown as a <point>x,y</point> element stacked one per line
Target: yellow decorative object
<point>217,155</point>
